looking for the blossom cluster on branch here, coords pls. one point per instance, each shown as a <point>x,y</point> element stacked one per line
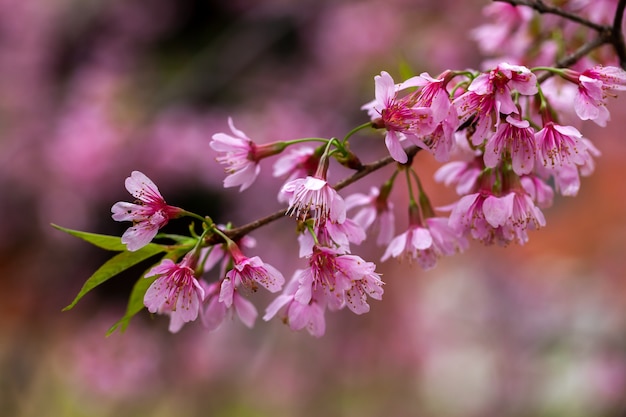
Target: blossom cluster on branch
<point>507,137</point>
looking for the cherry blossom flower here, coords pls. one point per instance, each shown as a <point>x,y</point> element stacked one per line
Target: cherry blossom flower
<point>490,94</point>
<point>314,193</point>
<point>242,156</point>
<point>332,234</point>
<point>248,272</point>
<point>426,243</point>
<point>480,215</point>
<point>523,215</point>
<point>297,162</point>
<point>463,174</point>
<point>375,210</point>
<point>340,279</point>
<point>298,315</point>
<point>175,292</point>
<point>538,190</point>
<point>560,145</point>
<point>594,86</point>
<point>216,310</point>
<point>149,214</point>
<point>401,117</point>
<point>515,139</point>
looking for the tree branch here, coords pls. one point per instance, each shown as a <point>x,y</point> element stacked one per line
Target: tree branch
<point>617,37</point>
<point>239,232</point>
<point>541,7</point>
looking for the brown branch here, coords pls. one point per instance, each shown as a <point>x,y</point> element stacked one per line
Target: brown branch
<point>541,7</point>
<point>239,232</point>
<point>617,37</point>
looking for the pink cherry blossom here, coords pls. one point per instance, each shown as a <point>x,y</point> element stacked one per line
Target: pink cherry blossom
<point>426,243</point>
<point>297,162</point>
<point>340,279</point>
<point>242,156</point>
<point>332,234</point>
<point>480,215</point>
<point>401,117</point>
<point>538,190</point>
<point>524,215</point>
<point>490,94</point>
<point>175,292</point>
<point>216,310</point>
<point>514,139</point>
<point>560,145</point>
<point>298,315</point>
<point>463,174</point>
<point>314,193</point>
<point>594,86</point>
<point>374,210</point>
<point>249,272</point>
<point>237,149</point>
<point>149,214</point>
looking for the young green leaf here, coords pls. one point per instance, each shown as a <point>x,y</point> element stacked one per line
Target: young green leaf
<point>114,266</point>
<point>102,241</point>
<point>135,303</point>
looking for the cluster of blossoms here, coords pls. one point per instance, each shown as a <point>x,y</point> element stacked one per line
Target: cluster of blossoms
<point>507,148</point>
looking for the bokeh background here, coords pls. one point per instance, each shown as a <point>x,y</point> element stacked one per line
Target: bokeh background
<point>93,89</point>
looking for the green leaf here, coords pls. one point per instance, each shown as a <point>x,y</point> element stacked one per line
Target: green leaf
<point>135,303</point>
<point>114,266</point>
<point>102,241</point>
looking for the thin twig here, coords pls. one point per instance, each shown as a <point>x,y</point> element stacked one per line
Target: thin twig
<point>365,170</point>
<point>541,7</point>
<point>617,37</point>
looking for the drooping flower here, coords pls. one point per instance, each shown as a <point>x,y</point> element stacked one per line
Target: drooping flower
<point>314,193</point>
<point>248,272</point>
<point>242,156</point>
<point>297,162</point>
<point>216,309</point>
<point>340,280</point>
<point>425,240</point>
<point>298,315</point>
<point>513,139</point>
<point>480,215</point>
<point>176,291</point>
<point>560,145</point>
<point>333,235</point>
<point>375,210</point>
<point>490,94</point>
<point>149,213</point>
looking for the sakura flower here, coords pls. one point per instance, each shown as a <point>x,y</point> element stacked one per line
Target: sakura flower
<point>524,215</point>
<point>175,292</point>
<point>340,279</point>
<point>490,94</point>
<point>314,193</point>
<point>426,242</point>
<point>242,156</point>
<point>295,314</point>
<point>560,145</point>
<point>594,86</point>
<point>401,117</point>
<point>463,174</point>
<point>538,190</point>
<point>332,234</point>
<point>216,310</point>
<point>297,162</point>
<point>249,272</point>
<point>514,139</point>
<point>481,214</point>
<point>149,214</point>
<point>375,209</point>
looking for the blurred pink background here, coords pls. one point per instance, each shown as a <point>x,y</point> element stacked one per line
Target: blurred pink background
<point>91,90</point>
